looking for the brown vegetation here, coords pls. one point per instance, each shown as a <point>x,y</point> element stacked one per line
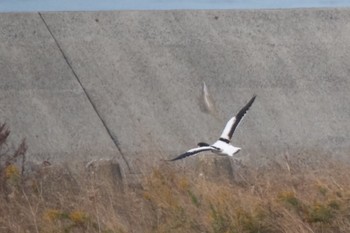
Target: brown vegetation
<point>286,196</point>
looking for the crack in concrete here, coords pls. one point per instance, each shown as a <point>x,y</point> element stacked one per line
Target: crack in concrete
<point>87,94</point>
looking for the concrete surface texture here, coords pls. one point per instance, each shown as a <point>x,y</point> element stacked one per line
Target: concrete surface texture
<point>128,84</point>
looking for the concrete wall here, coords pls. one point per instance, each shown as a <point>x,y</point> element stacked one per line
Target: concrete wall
<point>128,84</point>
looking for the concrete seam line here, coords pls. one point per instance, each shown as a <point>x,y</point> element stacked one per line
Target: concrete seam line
<point>86,93</point>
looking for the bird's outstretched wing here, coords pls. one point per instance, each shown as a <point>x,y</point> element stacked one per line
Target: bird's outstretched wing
<point>232,124</point>
<point>193,151</point>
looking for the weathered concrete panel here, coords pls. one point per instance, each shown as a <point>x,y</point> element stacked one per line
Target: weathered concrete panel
<point>41,100</point>
<point>143,70</point>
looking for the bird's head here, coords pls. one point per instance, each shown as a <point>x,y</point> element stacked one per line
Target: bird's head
<point>201,144</point>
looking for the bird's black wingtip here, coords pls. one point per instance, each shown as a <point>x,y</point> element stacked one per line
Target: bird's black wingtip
<point>170,160</point>
<point>251,100</point>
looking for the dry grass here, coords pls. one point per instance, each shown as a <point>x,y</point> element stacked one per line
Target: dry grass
<point>272,199</point>
<point>167,200</point>
<point>54,200</point>
<point>286,196</point>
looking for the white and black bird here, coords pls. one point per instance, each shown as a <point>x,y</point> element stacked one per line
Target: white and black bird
<point>223,145</point>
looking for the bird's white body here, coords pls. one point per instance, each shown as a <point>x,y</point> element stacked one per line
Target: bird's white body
<point>225,148</point>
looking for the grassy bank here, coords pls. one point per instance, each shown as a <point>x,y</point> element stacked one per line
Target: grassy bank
<point>274,199</point>
<point>284,196</point>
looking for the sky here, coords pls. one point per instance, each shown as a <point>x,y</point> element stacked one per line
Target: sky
<point>94,5</point>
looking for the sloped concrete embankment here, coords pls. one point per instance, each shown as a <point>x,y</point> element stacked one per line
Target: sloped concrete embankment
<point>128,84</point>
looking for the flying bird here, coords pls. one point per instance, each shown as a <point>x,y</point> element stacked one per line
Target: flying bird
<point>223,145</point>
